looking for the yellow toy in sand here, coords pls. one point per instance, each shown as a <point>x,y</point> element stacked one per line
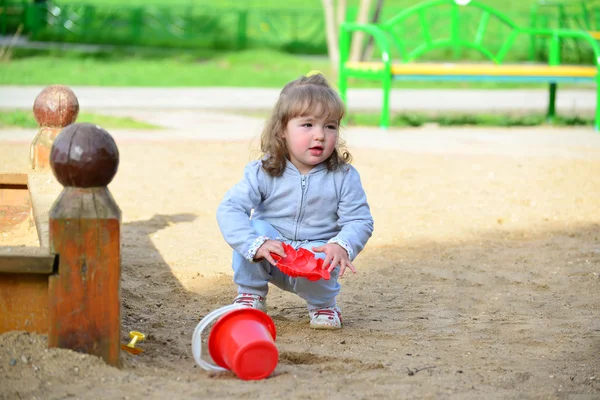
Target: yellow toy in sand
<point>135,337</point>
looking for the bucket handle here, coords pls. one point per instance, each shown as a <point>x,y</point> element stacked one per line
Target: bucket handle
<point>197,336</point>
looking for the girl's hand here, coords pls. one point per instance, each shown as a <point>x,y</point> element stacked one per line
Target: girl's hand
<point>268,247</point>
<point>335,255</point>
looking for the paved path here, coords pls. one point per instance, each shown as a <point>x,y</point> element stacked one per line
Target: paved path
<point>190,125</point>
<point>582,101</point>
<point>196,114</point>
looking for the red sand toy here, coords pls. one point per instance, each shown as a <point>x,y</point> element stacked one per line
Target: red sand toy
<point>241,341</point>
<point>301,263</point>
<point>244,341</point>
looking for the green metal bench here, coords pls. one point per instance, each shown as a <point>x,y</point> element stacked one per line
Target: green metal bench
<point>389,36</point>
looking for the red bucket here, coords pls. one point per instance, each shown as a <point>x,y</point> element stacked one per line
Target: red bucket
<point>243,341</point>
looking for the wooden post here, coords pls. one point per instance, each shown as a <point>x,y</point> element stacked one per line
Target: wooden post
<point>54,108</point>
<point>84,296</point>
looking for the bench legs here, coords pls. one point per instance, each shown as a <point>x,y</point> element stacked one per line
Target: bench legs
<point>343,88</point>
<point>551,103</point>
<point>597,116</point>
<point>387,86</point>
<point>385,106</point>
<point>384,120</point>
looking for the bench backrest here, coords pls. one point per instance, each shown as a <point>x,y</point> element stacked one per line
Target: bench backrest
<point>456,30</point>
<point>465,24</point>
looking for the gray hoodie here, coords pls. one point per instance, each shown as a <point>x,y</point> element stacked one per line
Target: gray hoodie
<point>323,205</point>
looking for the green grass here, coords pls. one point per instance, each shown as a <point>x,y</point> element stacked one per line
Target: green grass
<point>417,120</point>
<point>251,68</point>
<point>413,120</point>
<point>244,69</point>
<point>25,119</point>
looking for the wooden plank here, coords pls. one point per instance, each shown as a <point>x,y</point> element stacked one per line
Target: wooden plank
<point>13,178</point>
<point>26,260</point>
<point>450,69</point>
<point>14,195</point>
<point>24,303</point>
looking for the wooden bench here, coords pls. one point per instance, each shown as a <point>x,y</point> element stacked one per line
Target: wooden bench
<point>69,286</point>
<point>389,37</point>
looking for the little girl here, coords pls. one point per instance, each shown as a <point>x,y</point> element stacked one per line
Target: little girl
<point>303,192</point>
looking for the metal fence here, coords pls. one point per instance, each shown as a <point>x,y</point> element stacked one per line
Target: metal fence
<point>225,25</point>
<point>584,15</point>
<point>12,14</point>
<point>193,25</point>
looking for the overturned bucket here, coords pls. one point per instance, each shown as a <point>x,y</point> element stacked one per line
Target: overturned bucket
<point>241,341</point>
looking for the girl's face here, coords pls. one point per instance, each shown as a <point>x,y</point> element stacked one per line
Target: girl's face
<point>310,140</point>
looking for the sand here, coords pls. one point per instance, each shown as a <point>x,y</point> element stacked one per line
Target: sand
<point>481,281</point>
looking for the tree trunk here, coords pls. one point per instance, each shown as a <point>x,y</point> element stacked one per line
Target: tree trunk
<point>341,13</point>
<point>330,25</point>
<point>368,50</point>
<point>357,39</point>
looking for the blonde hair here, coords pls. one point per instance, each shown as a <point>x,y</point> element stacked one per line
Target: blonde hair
<point>301,97</point>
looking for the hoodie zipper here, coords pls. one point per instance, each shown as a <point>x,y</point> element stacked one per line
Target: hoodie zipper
<point>303,184</point>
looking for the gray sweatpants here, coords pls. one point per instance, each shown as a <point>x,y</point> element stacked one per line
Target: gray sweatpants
<point>253,277</point>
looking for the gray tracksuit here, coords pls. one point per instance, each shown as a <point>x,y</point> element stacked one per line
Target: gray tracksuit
<point>302,210</point>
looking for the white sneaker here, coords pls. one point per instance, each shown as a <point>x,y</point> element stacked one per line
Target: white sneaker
<point>252,301</point>
<point>326,318</point>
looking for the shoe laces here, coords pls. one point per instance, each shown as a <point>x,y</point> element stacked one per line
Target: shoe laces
<point>246,299</point>
<point>328,312</point>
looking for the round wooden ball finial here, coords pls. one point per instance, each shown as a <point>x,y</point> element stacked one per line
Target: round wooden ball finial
<point>56,107</point>
<point>84,156</point>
